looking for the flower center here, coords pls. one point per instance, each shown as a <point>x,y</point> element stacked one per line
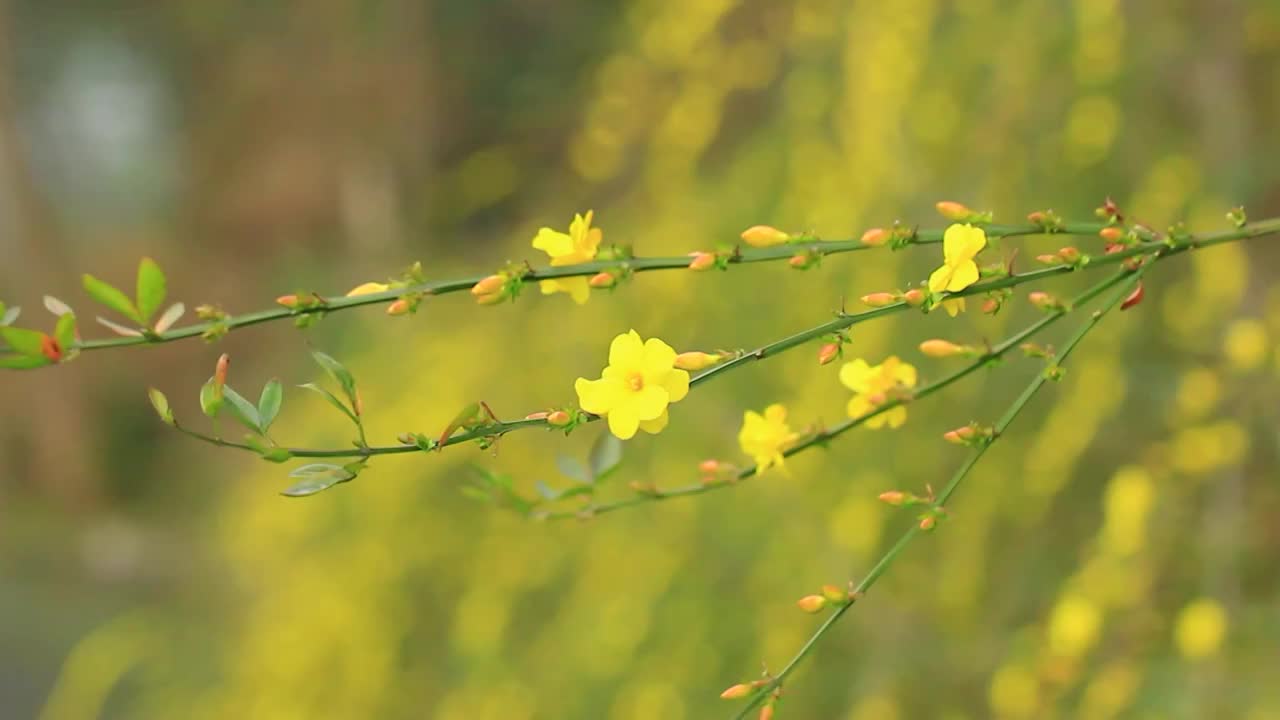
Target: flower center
<point>635,381</point>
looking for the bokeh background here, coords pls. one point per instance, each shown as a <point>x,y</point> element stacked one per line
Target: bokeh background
<point>1115,557</point>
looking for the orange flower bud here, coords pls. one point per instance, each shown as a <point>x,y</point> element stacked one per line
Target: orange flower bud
<point>50,348</point>
<point>541,415</point>
<point>398,307</point>
<point>709,467</point>
<point>602,280</point>
<point>702,261</point>
<point>893,497</point>
<point>990,306</point>
<point>1037,217</point>
<point>928,522</point>
<point>812,603</point>
<point>491,285</point>
<point>879,299</point>
<point>1048,259</point>
<point>695,360</point>
<point>1044,300</point>
<point>954,211</point>
<point>766,712</point>
<point>942,348</point>
<point>914,297</point>
<point>1134,298</point>
<point>1069,254</point>
<point>734,692</point>
<point>764,236</point>
<point>493,299</point>
<point>1113,248</point>
<point>558,418</point>
<point>1111,233</point>
<point>876,237</point>
<point>961,435</point>
<point>835,594</point>
<point>828,352</point>
<point>220,370</point>
<point>801,261</point>
<point>289,301</point>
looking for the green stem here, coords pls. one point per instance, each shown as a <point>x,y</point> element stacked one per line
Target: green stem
<point>641,264</point>
<point>1129,280</point>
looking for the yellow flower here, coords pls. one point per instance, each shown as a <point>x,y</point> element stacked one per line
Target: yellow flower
<point>954,306</point>
<point>871,386</point>
<point>635,389</point>
<point>960,245</point>
<point>579,246</point>
<point>368,289</point>
<point>765,437</point>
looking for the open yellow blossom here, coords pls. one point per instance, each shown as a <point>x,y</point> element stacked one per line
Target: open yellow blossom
<point>766,437</point>
<point>368,289</point>
<point>579,246</point>
<point>634,390</point>
<point>872,385</point>
<point>953,306</point>
<point>960,245</point>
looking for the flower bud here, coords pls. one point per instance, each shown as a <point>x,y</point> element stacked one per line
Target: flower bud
<point>602,280</point>
<point>1037,217</point>
<point>802,261</point>
<point>405,438</point>
<point>540,415</point>
<point>914,297</point>
<point>289,301</point>
<point>991,306</point>
<point>835,594</point>
<point>558,418</point>
<point>766,712</point>
<point>1111,233</point>
<point>220,370</point>
<point>876,237</point>
<point>828,352</point>
<point>764,236</point>
<point>734,692</point>
<point>879,299</point>
<point>367,289</point>
<point>50,348</point>
<point>695,360</point>
<point>937,348</point>
<point>953,211</point>
<point>1069,254</point>
<point>489,286</point>
<point>1044,301</point>
<point>1134,298</point>
<point>893,497</point>
<point>709,467</point>
<point>1108,211</point>
<point>702,261</point>
<point>928,522</point>
<point>1237,217</point>
<point>812,603</point>
<point>493,299</point>
<point>399,307</point>
<point>1048,259</point>
<point>961,435</point>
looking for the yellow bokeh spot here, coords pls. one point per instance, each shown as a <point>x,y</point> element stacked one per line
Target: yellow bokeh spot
<point>1200,628</point>
<point>1246,345</point>
<point>1110,691</point>
<point>1128,501</point>
<point>856,523</point>
<point>1198,393</point>
<point>875,707</point>
<point>486,177</point>
<point>1092,127</point>
<point>1073,627</point>
<point>1014,692</point>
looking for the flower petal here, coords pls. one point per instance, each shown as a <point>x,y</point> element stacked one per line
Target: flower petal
<point>896,417</point>
<point>676,383</point>
<point>905,374</point>
<point>598,396</point>
<point>647,404</point>
<point>940,278</point>
<point>859,405</point>
<point>963,275</point>
<point>577,288</point>
<point>627,351</point>
<point>775,414</point>
<point>552,242</point>
<point>962,242</point>
<point>549,287</point>
<point>856,375</point>
<point>623,424</point>
<point>656,425</point>
<point>954,306</point>
<point>659,358</point>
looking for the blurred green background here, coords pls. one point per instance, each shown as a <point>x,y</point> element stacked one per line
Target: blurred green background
<point>1116,557</point>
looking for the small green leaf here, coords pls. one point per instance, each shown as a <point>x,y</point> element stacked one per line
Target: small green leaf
<point>111,296</point>
<point>268,453</point>
<point>161,404</point>
<point>171,315</point>
<point>117,328</point>
<point>22,362</point>
<point>242,409</point>
<point>211,397</point>
<point>571,468</point>
<point>333,400</point>
<point>22,340</point>
<point>65,331</point>
<point>606,455</point>
<point>545,490</point>
<point>269,403</point>
<point>56,306</point>
<point>317,477</point>
<point>339,373</point>
<point>151,289</point>
<point>468,415</point>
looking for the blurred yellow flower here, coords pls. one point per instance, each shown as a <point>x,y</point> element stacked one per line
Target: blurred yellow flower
<point>960,245</point>
<point>1200,629</point>
<point>954,306</point>
<point>765,437</point>
<point>368,289</point>
<point>634,390</point>
<point>579,246</point>
<point>872,384</point>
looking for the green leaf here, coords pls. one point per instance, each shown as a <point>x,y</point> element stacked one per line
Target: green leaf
<point>65,331</point>
<point>317,477</point>
<point>211,397</point>
<point>468,415</point>
<point>606,455</point>
<point>151,288</point>
<point>269,403</point>
<point>571,468</point>
<point>333,400</point>
<point>161,404</point>
<point>170,316</point>
<point>242,409</point>
<point>22,362</point>
<point>8,317</point>
<point>111,296</point>
<point>268,453</point>
<point>339,373</point>
<point>24,341</point>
